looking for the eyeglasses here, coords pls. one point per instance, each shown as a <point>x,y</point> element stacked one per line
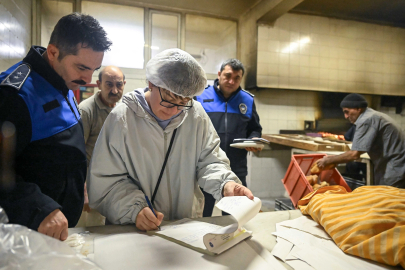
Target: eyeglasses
<point>169,104</point>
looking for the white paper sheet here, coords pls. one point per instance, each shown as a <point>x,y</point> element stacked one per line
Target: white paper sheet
<point>306,224</point>
<point>140,251</point>
<point>189,231</point>
<point>295,262</point>
<point>241,208</point>
<point>213,239</point>
<point>299,265</point>
<point>325,254</point>
<point>243,145</point>
<point>282,249</point>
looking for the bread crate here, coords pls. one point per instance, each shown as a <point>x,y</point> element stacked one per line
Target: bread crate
<point>297,185</point>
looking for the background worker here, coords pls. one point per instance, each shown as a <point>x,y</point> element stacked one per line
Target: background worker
<point>94,111</point>
<point>378,135</point>
<point>232,111</point>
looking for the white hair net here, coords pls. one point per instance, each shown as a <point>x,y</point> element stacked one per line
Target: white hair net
<point>176,71</point>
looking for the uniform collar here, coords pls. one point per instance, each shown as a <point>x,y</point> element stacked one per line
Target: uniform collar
<point>361,116</point>
<point>220,93</point>
<point>39,65</point>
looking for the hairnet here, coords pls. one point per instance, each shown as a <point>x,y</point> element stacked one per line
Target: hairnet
<point>176,71</point>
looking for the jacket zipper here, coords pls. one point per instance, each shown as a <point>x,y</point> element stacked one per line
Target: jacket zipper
<point>226,124</point>
<point>71,108</point>
<point>169,191</point>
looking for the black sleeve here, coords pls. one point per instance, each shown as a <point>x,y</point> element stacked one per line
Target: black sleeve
<point>13,109</point>
<point>24,203</point>
<point>349,135</point>
<point>254,129</point>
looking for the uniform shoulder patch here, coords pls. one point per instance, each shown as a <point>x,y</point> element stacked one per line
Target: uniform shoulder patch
<point>17,78</point>
<point>248,92</point>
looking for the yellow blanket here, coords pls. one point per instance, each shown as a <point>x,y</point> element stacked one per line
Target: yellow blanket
<point>368,222</point>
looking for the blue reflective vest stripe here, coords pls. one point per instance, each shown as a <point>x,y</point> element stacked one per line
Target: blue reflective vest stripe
<point>212,102</point>
<point>46,122</point>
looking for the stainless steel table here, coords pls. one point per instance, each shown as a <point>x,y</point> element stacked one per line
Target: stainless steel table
<point>262,225</point>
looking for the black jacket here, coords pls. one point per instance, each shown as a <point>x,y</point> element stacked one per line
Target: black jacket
<point>233,118</point>
<point>50,162</point>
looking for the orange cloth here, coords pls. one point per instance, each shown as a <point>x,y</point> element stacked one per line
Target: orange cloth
<point>368,222</point>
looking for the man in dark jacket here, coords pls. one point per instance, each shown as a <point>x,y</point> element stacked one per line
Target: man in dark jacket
<point>35,96</point>
<point>233,113</point>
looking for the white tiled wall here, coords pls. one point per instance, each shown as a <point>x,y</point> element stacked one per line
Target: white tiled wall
<point>209,51</point>
<point>278,109</point>
<point>398,118</point>
<point>318,53</point>
<point>285,109</point>
<point>15,31</point>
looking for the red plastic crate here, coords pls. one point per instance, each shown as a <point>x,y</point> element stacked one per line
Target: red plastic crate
<point>297,185</point>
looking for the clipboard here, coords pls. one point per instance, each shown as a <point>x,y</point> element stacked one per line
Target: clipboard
<point>244,140</point>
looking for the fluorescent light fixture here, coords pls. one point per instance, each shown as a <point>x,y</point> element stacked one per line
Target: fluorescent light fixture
<point>295,45</point>
<point>154,47</point>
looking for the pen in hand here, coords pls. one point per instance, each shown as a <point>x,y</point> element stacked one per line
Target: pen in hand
<point>151,208</point>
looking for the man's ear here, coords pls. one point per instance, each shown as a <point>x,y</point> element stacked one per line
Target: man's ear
<point>98,84</point>
<point>52,53</point>
<point>219,74</point>
<point>150,86</point>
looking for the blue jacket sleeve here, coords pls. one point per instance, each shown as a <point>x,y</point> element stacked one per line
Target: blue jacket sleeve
<point>254,129</point>
<point>24,203</point>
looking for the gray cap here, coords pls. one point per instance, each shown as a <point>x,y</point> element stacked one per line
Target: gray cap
<point>354,101</point>
<point>176,71</point>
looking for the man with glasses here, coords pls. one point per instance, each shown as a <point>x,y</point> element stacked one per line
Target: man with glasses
<point>161,144</point>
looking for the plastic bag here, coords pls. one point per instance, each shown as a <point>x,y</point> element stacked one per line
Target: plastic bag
<point>22,248</point>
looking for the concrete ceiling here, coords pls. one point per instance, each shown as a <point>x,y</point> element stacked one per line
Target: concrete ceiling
<point>386,12</point>
<point>232,9</point>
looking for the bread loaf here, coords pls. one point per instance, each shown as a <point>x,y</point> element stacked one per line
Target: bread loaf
<point>315,168</point>
<point>312,179</point>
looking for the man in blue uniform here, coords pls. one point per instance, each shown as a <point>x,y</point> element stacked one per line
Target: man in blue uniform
<point>233,113</point>
<point>35,96</point>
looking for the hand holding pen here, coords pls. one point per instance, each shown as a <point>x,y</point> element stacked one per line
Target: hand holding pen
<point>148,219</point>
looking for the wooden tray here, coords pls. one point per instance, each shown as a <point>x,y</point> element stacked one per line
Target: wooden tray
<point>306,142</point>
